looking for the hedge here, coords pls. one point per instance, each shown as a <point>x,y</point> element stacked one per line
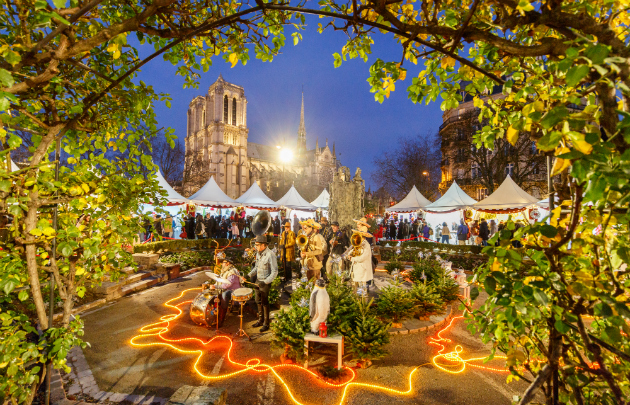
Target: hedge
<point>410,250</point>
<point>185,244</point>
<point>440,246</point>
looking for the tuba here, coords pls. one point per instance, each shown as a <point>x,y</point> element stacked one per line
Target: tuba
<point>356,240</point>
<point>301,241</point>
<point>260,225</point>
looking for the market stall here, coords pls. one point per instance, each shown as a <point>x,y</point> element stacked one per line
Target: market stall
<point>449,208</point>
<point>173,197</point>
<point>211,195</point>
<point>255,198</point>
<point>506,199</point>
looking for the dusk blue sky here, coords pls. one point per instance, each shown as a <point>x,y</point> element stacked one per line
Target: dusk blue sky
<point>338,102</point>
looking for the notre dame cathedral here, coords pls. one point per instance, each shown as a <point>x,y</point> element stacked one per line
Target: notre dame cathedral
<point>217,145</point>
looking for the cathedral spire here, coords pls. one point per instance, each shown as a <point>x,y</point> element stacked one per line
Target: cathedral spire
<point>301,141</point>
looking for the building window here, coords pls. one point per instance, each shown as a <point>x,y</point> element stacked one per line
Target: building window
<point>509,169</point>
<point>203,119</point>
<point>234,111</point>
<point>536,169</point>
<point>475,171</point>
<point>534,148</point>
<point>461,136</point>
<point>225,109</point>
<point>461,155</point>
<point>483,193</point>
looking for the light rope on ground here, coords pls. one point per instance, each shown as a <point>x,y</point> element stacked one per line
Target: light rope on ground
<point>162,327</point>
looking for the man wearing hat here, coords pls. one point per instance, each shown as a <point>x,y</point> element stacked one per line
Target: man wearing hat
<point>232,275</point>
<point>361,263</point>
<point>265,271</point>
<point>313,254</point>
<point>287,250</point>
<point>337,244</point>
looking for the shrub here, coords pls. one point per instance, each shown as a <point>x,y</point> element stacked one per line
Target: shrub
<point>431,268</point>
<point>343,306</point>
<point>275,291</point>
<point>365,334</point>
<point>426,299</point>
<point>447,288</point>
<point>189,260</point>
<point>394,265</point>
<point>395,302</point>
<point>184,244</point>
<point>288,328</point>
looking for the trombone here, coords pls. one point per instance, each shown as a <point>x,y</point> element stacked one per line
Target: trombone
<point>302,242</point>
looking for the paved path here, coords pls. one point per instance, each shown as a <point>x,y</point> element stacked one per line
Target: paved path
<point>119,367</point>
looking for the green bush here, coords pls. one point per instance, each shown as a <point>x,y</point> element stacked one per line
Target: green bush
<point>426,298</point>
<point>428,265</point>
<point>343,306</point>
<point>189,260</point>
<point>394,301</point>
<point>275,291</point>
<point>303,290</point>
<point>447,288</point>
<point>394,265</point>
<point>288,328</point>
<point>365,334</point>
<point>183,244</point>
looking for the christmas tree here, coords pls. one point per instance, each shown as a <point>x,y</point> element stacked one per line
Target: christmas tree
<point>289,328</point>
<point>343,306</point>
<point>395,302</point>
<point>366,334</point>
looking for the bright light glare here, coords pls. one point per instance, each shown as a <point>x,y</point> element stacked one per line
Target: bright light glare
<point>286,155</point>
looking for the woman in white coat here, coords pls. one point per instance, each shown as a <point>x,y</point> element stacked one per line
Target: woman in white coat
<point>362,263</point>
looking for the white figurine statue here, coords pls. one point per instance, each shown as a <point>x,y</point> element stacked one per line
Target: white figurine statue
<point>319,305</point>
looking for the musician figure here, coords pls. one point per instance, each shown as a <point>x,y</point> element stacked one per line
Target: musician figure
<point>338,242</point>
<point>361,256</point>
<point>287,251</point>
<point>265,271</point>
<point>313,253</point>
<point>232,275</point>
<point>325,233</point>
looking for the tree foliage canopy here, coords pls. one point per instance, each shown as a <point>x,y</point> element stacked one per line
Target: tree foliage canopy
<point>66,76</point>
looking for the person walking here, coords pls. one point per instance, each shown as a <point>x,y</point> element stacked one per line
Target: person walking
<point>200,228</point>
<point>446,233</point>
<point>474,233</point>
<point>484,232</point>
<point>392,230</point>
<point>276,227</point>
<point>296,224</point>
<point>426,232</point>
<point>493,227</point>
<point>167,229</point>
<point>462,233</point>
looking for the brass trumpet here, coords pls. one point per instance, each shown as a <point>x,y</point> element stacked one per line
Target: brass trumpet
<point>356,240</point>
<point>301,241</point>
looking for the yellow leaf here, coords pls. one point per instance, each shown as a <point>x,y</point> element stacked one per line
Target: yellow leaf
<point>403,74</point>
<point>477,102</point>
<point>36,232</point>
<point>539,106</point>
<point>85,187</point>
<point>579,143</point>
<point>560,165</point>
<point>512,135</point>
<point>448,61</point>
<point>101,198</point>
<point>49,231</point>
<point>80,270</point>
<point>233,58</point>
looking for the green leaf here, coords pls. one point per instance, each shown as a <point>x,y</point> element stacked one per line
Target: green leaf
<point>337,60</point>
<point>23,295</point>
<point>549,231</point>
<point>4,104</point>
<point>554,116</point>
<point>597,53</point>
<point>490,284</point>
<point>562,327</point>
<point>59,3</point>
<point>6,79</point>
<point>5,185</point>
<point>576,74</point>
<point>14,141</point>
<point>541,297</point>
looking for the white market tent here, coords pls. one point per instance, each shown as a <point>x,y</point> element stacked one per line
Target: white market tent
<point>414,201</point>
<point>293,200</point>
<point>322,200</point>
<point>256,198</point>
<point>14,167</point>
<point>173,197</point>
<point>212,195</point>
<point>509,197</point>
<point>454,199</point>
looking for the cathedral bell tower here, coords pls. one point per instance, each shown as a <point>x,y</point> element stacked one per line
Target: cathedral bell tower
<point>301,141</point>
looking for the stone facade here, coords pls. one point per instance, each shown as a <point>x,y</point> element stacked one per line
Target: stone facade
<point>346,197</point>
<point>217,138</point>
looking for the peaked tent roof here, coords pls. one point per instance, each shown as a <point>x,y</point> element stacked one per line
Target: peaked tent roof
<point>14,167</point>
<point>322,200</point>
<point>293,200</point>
<point>255,198</point>
<point>173,196</point>
<point>414,201</point>
<point>212,195</point>
<point>454,199</point>
<point>508,197</point>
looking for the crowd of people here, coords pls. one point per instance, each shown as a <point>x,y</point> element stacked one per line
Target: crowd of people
<point>476,232</point>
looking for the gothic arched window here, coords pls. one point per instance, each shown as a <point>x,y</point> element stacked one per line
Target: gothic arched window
<point>203,119</point>
<point>225,109</point>
<point>234,111</point>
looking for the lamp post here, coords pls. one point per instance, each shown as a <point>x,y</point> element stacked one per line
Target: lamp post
<point>286,155</point>
<point>426,174</point>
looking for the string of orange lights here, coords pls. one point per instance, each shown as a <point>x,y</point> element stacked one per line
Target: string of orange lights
<point>450,362</point>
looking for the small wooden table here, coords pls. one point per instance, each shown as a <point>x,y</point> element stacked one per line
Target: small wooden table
<point>336,339</point>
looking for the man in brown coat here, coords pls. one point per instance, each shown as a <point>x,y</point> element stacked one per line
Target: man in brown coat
<point>313,254</point>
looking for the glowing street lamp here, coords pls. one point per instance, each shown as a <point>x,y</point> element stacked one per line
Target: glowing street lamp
<point>286,156</point>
